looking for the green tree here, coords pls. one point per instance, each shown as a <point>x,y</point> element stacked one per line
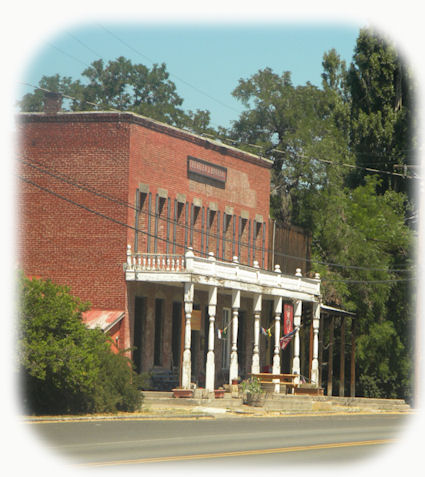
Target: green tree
<point>124,86</point>
<point>65,367</point>
<point>381,88</point>
<point>358,228</point>
<point>294,126</point>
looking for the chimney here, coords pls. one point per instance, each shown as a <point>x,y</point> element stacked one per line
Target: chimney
<point>52,102</point>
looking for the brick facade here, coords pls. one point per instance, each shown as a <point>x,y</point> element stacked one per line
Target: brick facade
<point>91,179</point>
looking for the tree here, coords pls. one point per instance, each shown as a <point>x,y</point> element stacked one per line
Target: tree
<point>124,86</point>
<point>65,367</point>
<point>358,229</point>
<point>381,88</point>
<point>295,127</point>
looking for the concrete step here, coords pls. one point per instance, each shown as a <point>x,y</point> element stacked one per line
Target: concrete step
<point>279,402</point>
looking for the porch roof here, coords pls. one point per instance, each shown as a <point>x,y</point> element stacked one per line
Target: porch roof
<point>103,319</point>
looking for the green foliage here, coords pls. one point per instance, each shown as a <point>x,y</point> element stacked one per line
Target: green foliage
<point>381,109</point>
<point>361,117</point>
<point>252,386</point>
<point>122,85</point>
<point>65,367</point>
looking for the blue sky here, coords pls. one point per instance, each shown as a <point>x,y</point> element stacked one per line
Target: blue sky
<point>205,62</point>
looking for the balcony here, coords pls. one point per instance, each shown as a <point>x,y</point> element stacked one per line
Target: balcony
<point>204,272</point>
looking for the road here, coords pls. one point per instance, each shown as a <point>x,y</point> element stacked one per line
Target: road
<point>240,440</point>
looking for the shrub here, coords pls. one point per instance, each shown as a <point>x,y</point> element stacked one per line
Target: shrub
<point>65,367</point>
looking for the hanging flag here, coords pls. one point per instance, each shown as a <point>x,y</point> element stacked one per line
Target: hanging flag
<point>222,334</point>
<point>287,338</point>
<point>219,333</point>
<point>264,332</point>
<point>288,318</point>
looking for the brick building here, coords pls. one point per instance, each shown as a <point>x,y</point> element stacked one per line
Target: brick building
<point>165,233</point>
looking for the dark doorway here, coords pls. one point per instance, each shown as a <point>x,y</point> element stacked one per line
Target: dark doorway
<point>242,372</point>
<point>159,319</point>
<point>139,325</point>
<point>176,343</point>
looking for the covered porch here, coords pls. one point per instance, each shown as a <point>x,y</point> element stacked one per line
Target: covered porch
<point>251,300</point>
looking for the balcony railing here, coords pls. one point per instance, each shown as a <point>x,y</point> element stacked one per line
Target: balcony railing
<point>157,262</point>
<point>139,264</point>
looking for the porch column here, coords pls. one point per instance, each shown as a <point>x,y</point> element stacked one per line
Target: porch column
<point>296,365</point>
<point>342,360</point>
<point>315,360</point>
<point>353,359</point>
<point>255,368</point>
<point>236,303</point>
<point>210,369</point>
<point>187,361</point>
<point>331,355</point>
<point>276,355</point>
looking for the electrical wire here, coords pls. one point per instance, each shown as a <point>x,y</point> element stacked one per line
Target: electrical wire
<point>186,227</point>
<point>118,222</point>
<point>300,155</point>
<point>135,50</point>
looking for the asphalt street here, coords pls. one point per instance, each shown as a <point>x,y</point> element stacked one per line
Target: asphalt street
<point>187,442</point>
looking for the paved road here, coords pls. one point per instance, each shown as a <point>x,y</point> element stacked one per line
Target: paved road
<point>239,441</point>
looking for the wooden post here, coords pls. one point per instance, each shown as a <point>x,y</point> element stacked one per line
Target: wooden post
<point>255,367</point>
<point>236,304</point>
<point>342,359</point>
<point>353,359</point>
<point>187,359</point>
<point>210,365</point>
<point>320,357</point>
<point>331,355</point>
<point>315,360</point>
<point>276,352</point>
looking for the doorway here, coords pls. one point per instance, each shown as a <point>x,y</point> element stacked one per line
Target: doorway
<point>139,327</point>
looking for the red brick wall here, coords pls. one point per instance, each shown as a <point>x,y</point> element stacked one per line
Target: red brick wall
<point>160,160</point>
<point>112,154</point>
<point>59,240</point>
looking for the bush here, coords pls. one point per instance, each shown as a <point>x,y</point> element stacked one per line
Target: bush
<point>65,367</point>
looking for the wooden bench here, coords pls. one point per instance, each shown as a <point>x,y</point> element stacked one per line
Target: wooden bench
<point>269,378</point>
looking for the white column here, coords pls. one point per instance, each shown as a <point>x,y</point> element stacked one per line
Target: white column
<point>255,368</point>
<point>236,303</point>
<point>315,360</point>
<point>276,355</point>
<point>296,367</point>
<point>210,366</point>
<point>187,361</point>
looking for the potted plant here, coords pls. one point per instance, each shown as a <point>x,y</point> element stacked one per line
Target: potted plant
<point>182,393</point>
<point>252,393</point>
<point>219,393</point>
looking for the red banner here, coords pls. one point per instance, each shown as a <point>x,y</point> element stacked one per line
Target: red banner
<point>288,318</point>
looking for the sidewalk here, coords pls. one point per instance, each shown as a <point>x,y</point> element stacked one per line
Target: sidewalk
<point>162,405</point>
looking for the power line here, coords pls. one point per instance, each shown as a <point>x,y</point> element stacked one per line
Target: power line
<point>135,50</point>
<point>303,156</point>
<point>118,222</point>
<point>85,45</point>
<point>89,189</point>
<point>68,55</point>
<point>67,96</point>
<point>395,280</point>
<point>352,166</point>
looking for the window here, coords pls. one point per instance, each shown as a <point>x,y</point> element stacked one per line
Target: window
<point>225,342</point>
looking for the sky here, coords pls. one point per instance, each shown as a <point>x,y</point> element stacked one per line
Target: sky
<point>205,62</point>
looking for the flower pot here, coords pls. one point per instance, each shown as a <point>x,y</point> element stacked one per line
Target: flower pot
<point>182,393</point>
<point>235,382</point>
<point>219,393</point>
<point>256,400</point>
